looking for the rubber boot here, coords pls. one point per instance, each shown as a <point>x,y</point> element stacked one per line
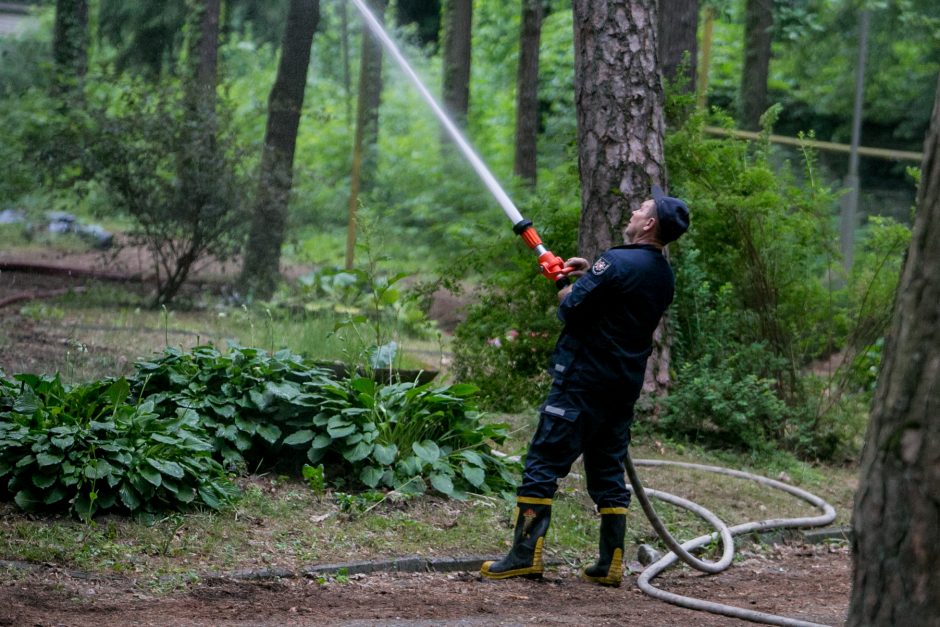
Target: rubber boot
<point>532,516</point>
<point>608,571</point>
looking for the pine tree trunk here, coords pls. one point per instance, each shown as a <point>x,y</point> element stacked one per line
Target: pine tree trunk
<point>260,271</point>
<point>370,98</point>
<point>619,97</point>
<point>678,41</point>
<point>527,92</point>
<point>365,147</point>
<point>457,18</point>
<point>759,21</point>
<point>896,545</point>
<point>70,43</point>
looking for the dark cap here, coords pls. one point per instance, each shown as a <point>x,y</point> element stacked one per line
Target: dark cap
<point>673,215</point>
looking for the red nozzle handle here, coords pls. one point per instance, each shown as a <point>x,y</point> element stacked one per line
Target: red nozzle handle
<point>551,266</point>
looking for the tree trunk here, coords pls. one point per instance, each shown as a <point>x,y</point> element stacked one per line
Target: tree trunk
<point>365,149</point>
<point>458,18</point>
<point>260,271</point>
<point>759,21</point>
<point>527,92</point>
<point>619,97</point>
<point>678,41</point>
<point>70,43</point>
<point>897,507</point>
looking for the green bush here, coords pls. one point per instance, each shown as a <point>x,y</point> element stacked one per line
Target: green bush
<point>89,448</point>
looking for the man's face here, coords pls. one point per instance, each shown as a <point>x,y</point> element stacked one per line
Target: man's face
<point>641,220</point>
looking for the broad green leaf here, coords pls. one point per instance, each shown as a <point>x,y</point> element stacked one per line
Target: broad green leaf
<point>97,469</point>
<point>46,459</point>
<point>358,452</point>
<point>63,442</point>
<point>474,458</point>
<point>26,460</point>
<point>242,441</point>
<point>315,454</point>
<point>473,474</point>
<point>321,441</point>
<point>152,475</point>
<point>43,481</point>
<point>167,467</point>
<point>385,455</point>
<point>371,476</point>
<point>270,433</point>
<point>340,432</point>
<point>427,451</point>
<point>260,400</point>
<point>118,391</point>
<point>248,426</point>
<point>164,439</point>
<point>55,495</point>
<point>284,390</point>
<point>462,389</point>
<point>442,483</point>
<point>299,437</point>
<point>25,500</point>
<point>209,497</point>
<point>129,497</point>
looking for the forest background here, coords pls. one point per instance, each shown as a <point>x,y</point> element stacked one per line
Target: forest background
<point>775,343</point>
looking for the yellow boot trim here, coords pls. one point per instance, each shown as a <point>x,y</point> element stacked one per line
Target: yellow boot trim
<point>534,569</point>
<point>614,574</point>
<point>612,510</point>
<point>533,500</point>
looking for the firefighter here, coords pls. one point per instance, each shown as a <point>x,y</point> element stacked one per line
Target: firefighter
<point>598,365</point>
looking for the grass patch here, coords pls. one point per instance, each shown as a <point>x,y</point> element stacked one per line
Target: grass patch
<point>280,522</point>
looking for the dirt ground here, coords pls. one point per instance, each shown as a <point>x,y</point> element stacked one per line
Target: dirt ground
<point>810,583</point>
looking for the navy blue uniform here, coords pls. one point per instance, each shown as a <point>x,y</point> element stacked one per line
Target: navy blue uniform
<point>597,369</point>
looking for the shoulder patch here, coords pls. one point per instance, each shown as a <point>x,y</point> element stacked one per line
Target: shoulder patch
<point>600,266</point>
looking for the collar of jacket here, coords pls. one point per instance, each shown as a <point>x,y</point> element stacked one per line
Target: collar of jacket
<point>651,247</point>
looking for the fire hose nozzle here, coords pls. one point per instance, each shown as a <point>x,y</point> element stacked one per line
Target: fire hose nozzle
<point>551,266</point>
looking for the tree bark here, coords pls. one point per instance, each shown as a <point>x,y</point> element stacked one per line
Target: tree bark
<point>897,507</point>
<point>70,42</point>
<point>678,41</point>
<point>365,148</point>
<point>759,21</point>
<point>619,98</point>
<point>458,19</point>
<point>260,271</point>
<point>527,92</point>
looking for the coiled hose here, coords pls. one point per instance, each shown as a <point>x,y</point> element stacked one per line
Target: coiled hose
<point>682,551</point>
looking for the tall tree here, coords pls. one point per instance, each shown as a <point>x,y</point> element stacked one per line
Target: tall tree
<point>70,42</point>
<point>897,506</point>
<point>457,21</point>
<point>758,35</point>
<point>365,149</point>
<point>678,40</point>
<point>619,99</point>
<point>527,91</point>
<point>260,270</point>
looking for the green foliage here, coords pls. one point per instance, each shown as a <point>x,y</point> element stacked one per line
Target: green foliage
<point>183,184</point>
<point>248,401</point>
<point>406,437</point>
<point>90,448</point>
<point>155,441</point>
<point>760,296</point>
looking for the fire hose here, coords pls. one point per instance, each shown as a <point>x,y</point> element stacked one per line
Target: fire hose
<point>553,268</point>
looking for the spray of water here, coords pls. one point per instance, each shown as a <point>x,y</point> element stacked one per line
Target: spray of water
<point>484,173</point>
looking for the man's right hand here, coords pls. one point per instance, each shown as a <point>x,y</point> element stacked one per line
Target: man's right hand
<point>580,266</point>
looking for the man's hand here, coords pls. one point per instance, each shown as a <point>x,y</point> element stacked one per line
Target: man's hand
<point>580,266</point>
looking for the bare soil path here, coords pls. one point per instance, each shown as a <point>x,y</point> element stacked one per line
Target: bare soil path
<point>805,582</point>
